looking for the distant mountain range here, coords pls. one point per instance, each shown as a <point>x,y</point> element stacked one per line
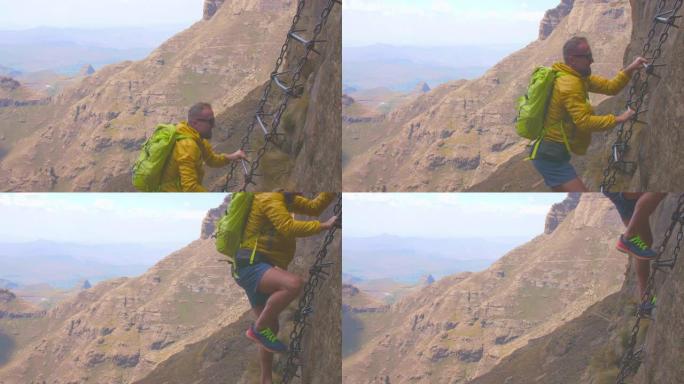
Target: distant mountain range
<point>395,257</point>
<point>63,265</point>
<point>401,68</point>
<point>66,50</point>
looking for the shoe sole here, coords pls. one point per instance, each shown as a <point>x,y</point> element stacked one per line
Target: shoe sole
<point>626,251</point>
<point>254,339</point>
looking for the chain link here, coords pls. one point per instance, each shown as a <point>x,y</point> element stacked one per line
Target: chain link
<point>631,358</point>
<point>271,135</point>
<point>317,273</point>
<point>638,92</point>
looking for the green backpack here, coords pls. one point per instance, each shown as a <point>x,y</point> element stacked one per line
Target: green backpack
<point>533,105</point>
<point>147,171</point>
<point>231,226</point>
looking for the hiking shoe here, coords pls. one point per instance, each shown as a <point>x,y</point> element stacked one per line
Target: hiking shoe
<point>636,247</point>
<point>646,308</point>
<point>267,339</point>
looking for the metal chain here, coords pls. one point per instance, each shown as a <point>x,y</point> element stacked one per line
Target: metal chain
<point>317,273</point>
<point>631,358</point>
<point>638,92</point>
<point>271,134</point>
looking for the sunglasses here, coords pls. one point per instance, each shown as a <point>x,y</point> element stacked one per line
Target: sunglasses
<point>587,56</point>
<point>211,121</point>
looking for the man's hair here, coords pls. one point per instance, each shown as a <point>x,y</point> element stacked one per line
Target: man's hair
<point>570,46</point>
<point>197,109</point>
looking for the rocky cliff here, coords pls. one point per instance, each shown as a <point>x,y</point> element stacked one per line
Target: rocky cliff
<point>88,136</point>
<point>588,348</point>
<point>655,147</point>
<point>184,319</point>
<point>461,326</point>
<point>222,355</point>
<point>307,158</point>
<point>119,330</point>
<point>460,135</point>
<point>553,17</point>
<point>560,211</point>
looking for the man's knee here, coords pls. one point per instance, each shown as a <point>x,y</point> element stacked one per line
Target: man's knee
<point>295,284</point>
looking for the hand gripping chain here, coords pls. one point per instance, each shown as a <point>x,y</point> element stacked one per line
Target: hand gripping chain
<point>290,88</point>
<point>632,358</point>
<point>317,273</point>
<point>652,51</point>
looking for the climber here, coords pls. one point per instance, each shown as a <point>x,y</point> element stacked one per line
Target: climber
<point>635,210</point>
<point>570,120</point>
<point>268,246</point>
<point>184,169</point>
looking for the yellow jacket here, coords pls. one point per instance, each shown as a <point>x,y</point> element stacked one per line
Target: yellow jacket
<point>271,220</point>
<point>184,170</point>
<point>570,108</point>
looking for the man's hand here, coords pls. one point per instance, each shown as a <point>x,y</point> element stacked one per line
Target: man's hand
<point>625,116</point>
<point>329,224</point>
<point>240,154</point>
<point>638,64</point>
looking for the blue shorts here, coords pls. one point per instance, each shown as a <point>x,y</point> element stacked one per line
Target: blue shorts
<point>555,173</point>
<point>625,207</point>
<point>249,278</point>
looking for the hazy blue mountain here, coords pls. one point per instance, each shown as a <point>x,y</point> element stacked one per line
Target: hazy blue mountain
<point>64,265</point>
<point>396,257</point>
<point>401,68</point>
<point>65,51</point>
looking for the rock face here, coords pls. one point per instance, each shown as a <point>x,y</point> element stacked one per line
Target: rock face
<point>553,17</point>
<point>422,87</point>
<point>9,84</point>
<point>89,135</point>
<point>459,327</point>
<point>227,354</point>
<point>210,8</point>
<point>120,330</point>
<point>86,70</point>
<point>656,147</point>
<point>6,296</point>
<point>588,348</point>
<point>214,214</point>
<point>460,135</point>
<point>560,211</point>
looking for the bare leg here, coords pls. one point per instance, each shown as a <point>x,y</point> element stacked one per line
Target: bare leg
<point>574,185</point>
<point>266,357</point>
<point>283,287</point>
<point>639,225</point>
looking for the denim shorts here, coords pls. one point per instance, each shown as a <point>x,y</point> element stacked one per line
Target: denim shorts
<point>248,278</point>
<point>625,207</point>
<point>555,173</point>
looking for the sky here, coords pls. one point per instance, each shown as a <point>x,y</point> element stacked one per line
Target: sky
<point>442,22</point>
<point>97,218</point>
<point>26,14</point>
<point>440,215</point>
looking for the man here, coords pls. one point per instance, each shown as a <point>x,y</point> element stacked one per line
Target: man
<point>268,247</point>
<point>184,170</point>
<point>570,118</point>
<point>635,210</point>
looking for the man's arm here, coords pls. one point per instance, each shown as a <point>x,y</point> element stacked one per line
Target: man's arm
<point>314,207</point>
<point>282,220</point>
<point>579,108</point>
<point>612,87</point>
<point>211,158</point>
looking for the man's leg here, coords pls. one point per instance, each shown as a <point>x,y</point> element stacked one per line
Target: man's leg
<point>574,185</point>
<point>639,225</point>
<point>283,287</point>
<point>265,356</point>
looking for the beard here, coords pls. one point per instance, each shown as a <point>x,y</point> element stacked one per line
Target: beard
<point>586,72</point>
